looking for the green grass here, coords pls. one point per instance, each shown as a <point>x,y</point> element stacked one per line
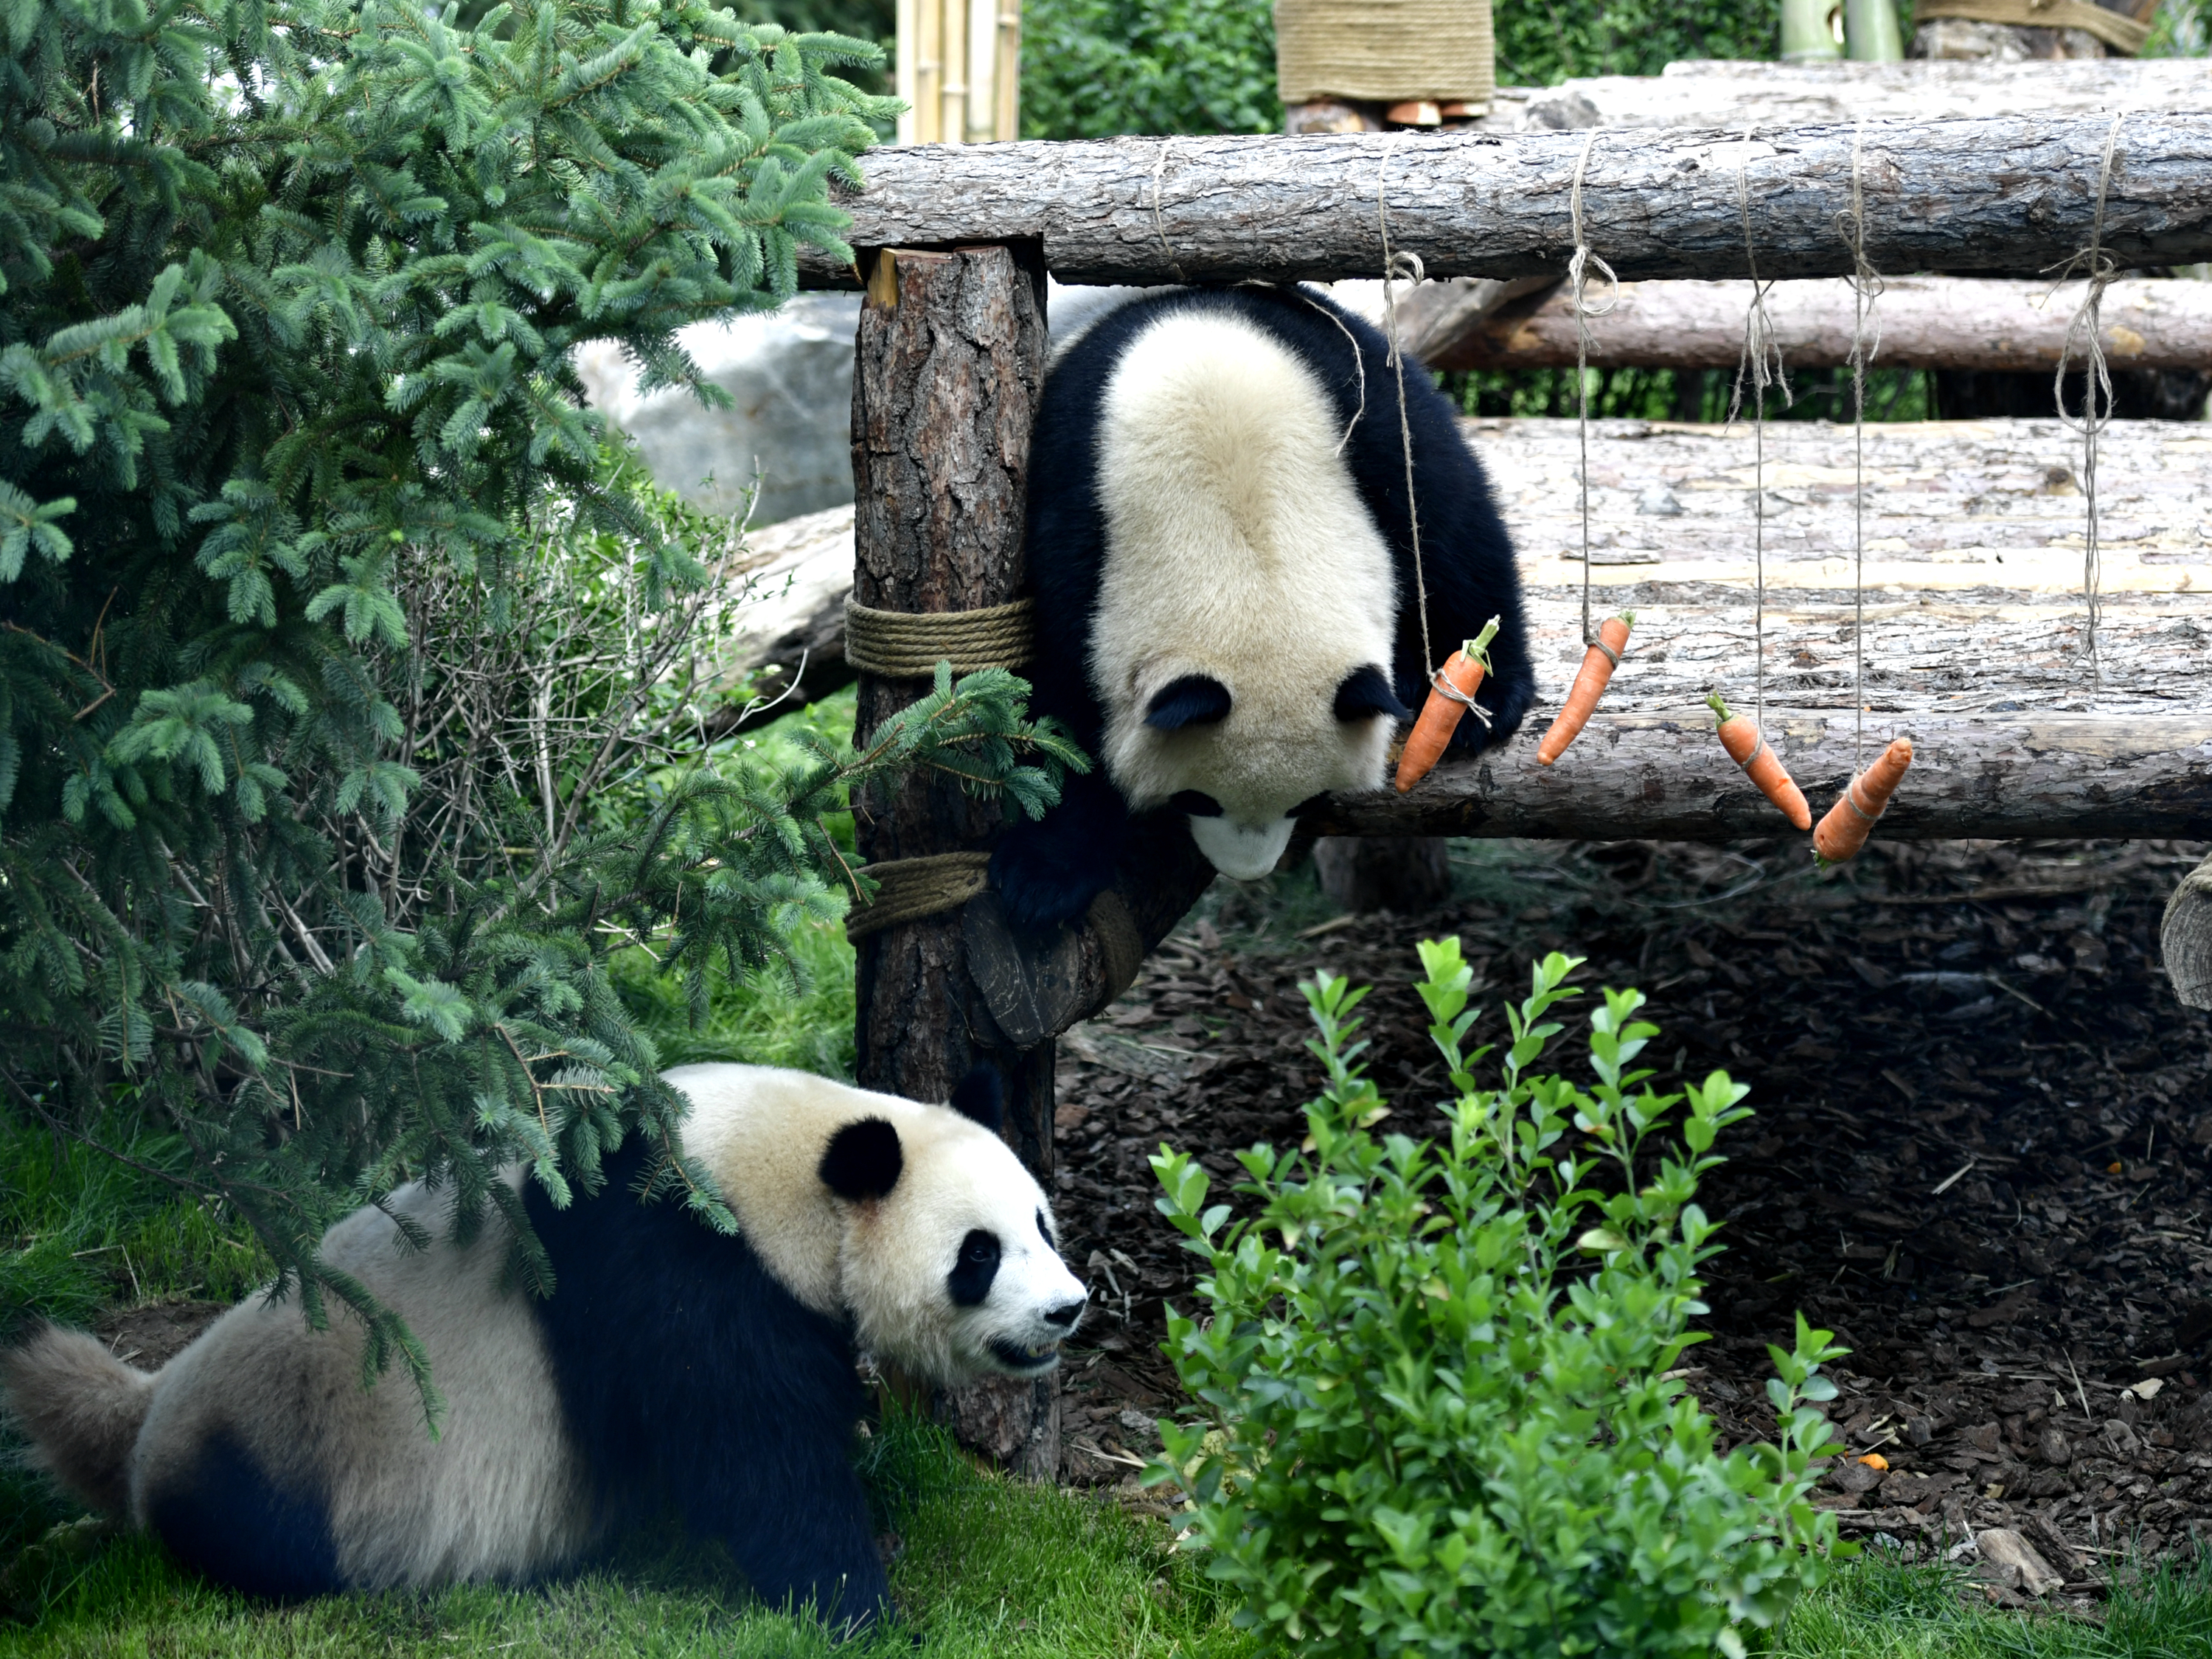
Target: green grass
<point>1877,1610</point>
<point>990,1569</point>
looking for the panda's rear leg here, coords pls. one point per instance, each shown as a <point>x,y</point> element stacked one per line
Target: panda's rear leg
<point>223,1514</point>
<point>817,1557</point>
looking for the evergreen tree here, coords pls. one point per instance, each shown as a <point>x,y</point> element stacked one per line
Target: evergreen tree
<point>287,295</point>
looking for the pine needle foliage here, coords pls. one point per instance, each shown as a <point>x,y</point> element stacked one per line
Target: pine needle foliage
<point>287,295</point>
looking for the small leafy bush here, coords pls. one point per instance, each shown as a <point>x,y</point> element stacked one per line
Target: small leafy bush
<point>1436,1415</point>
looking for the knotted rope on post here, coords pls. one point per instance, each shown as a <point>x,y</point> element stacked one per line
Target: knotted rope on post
<point>907,890</point>
<point>906,645</point>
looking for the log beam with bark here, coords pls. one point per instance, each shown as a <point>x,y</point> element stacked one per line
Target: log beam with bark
<point>1923,322</point>
<point>1659,774</point>
<point>1973,598</point>
<point>2004,193</point>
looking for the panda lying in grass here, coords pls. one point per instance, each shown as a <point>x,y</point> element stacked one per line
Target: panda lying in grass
<point>672,1364</point>
<point>1228,610</point>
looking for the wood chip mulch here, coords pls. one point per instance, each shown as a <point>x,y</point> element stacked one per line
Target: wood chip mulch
<point>1982,1153</point>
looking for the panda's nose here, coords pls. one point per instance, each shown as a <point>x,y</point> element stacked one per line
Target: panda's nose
<point>1066,1314</point>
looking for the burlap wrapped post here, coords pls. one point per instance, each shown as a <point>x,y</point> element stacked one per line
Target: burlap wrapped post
<point>1386,50</point>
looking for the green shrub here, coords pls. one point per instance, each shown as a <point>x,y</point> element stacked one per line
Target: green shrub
<point>1435,1415</point>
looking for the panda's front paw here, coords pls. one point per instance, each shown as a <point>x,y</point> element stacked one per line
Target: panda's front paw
<point>1048,873</point>
<point>1039,887</point>
<point>1507,694</point>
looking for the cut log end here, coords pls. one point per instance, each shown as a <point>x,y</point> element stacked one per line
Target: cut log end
<point>2184,938</point>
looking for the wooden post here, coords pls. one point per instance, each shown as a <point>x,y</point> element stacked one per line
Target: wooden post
<point>948,361</point>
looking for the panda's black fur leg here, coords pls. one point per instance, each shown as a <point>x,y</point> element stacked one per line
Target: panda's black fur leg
<point>1048,871</point>
<point>229,1520</point>
<point>688,1374</point>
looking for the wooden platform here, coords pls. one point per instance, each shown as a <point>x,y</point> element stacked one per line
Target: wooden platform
<point>1974,627</point>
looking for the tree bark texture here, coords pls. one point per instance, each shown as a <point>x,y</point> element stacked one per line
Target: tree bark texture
<point>948,361</point>
<point>2185,939</point>
<point>1923,322</point>
<point>1661,775</point>
<point>1733,94</point>
<point>2010,193</point>
<point>1409,874</point>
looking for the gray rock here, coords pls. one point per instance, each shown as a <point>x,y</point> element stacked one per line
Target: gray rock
<point>789,377</point>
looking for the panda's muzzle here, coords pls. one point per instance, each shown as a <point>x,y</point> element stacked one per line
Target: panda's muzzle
<point>1016,1358</point>
<point>1043,1355</point>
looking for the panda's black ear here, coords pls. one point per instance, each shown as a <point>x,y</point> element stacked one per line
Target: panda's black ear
<point>1193,699</point>
<point>863,1160</point>
<point>1365,693</point>
<point>979,1096</point>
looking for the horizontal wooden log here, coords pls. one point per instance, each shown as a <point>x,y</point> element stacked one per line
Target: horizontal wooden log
<point>1705,94</point>
<point>1922,322</point>
<point>1662,774</point>
<point>2011,193</point>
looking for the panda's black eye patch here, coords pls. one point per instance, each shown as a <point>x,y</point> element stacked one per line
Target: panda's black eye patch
<point>1193,699</point>
<point>1045,1233</point>
<point>970,1281</point>
<point>1366,693</point>
<point>1197,805</point>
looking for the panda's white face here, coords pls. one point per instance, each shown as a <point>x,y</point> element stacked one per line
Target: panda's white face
<point>955,1272</point>
<point>915,1221</point>
<point>1247,608</point>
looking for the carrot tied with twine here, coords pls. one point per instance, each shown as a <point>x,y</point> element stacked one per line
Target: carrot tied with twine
<point>1591,681</point>
<point>1747,746</point>
<point>1851,819</point>
<point>1451,695</point>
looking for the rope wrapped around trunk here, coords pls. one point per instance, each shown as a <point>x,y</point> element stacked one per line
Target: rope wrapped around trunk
<point>2121,33</point>
<point>906,645</point>
<point>910,888</point>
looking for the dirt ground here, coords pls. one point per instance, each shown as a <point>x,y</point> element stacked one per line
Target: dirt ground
<point>1982,1153</point>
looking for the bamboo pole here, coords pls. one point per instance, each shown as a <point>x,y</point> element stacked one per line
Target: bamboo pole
<point>1006,123</point>
<point>952,23</point>
<point>929,70</point>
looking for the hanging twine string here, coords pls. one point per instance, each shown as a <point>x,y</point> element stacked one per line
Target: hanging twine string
<point>1397,268</point>
<point>1867,289</point>
<point>2085,335</point>
<point>1159,227</point>
<point>1761,364</point>
<point>1578,279</point>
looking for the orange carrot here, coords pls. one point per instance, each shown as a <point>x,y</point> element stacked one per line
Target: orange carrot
<point>1440,715</point>
<point>1598,664</point>
<point>1851,820</point>
<point>1747,747</point>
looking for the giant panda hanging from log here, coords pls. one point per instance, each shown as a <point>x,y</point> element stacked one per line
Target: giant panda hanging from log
<point>1226,593</point>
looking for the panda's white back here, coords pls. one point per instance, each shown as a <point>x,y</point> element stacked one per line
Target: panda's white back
<point>1237,548</point>
<point>499,1493</point>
